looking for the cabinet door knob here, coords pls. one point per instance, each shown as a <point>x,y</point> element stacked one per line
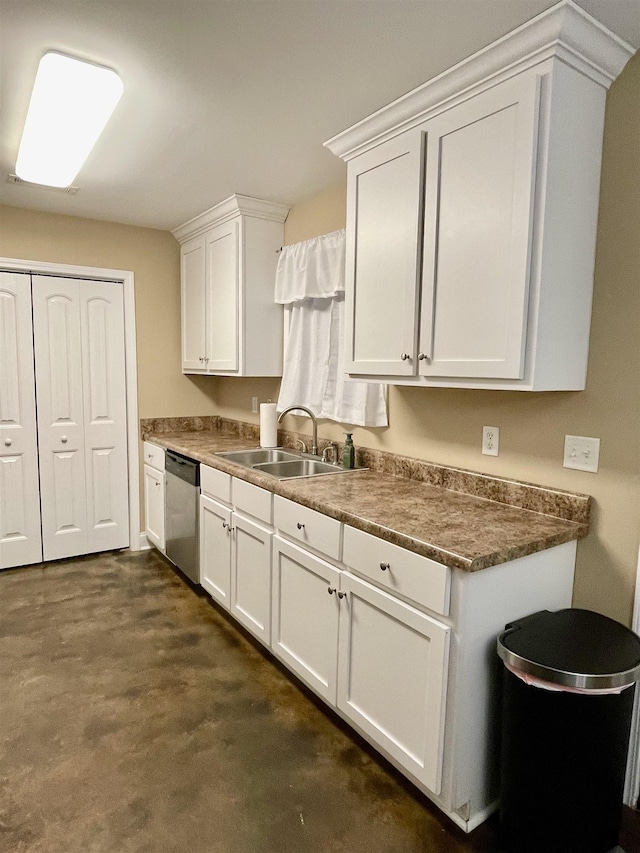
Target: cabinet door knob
<point>331,590</point>
<point>405,356</point>
<point>385,566</point>
<point>300,526</point>
<point>342,594</point>
<point>7,442</point>
<point>421,356</point>
<point>64,439</point>
<point>227,526</point>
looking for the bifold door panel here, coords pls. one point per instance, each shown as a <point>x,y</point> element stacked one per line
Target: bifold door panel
<point>64,477</point>
<point>20,538</point>
<point>81,396</point>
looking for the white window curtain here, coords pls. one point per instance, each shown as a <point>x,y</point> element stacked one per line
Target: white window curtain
<point>310,283</point>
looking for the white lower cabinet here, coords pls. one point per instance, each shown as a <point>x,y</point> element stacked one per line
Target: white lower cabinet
<point>305,609</point>
<point>215,550</point>
<point>401,646</point>
<point>251,576</point>
<point>154,492</point>
<point>392,677</point>
<point>154,506</point>
<point>235,550</point>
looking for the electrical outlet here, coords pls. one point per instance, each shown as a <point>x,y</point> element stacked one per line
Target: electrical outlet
<point>490,440</point>
<point>254,405</point>
<point>581,453</point>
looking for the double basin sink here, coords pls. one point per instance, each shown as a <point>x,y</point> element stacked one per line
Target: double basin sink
<point>283,464</point>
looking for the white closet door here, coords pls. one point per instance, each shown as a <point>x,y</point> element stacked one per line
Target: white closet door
<point>58,351</point>
<point>20,539</point>
<point>80,389</point>
<point>105,414</point>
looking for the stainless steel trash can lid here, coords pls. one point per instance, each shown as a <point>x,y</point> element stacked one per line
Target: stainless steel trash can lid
<point>572,648</point>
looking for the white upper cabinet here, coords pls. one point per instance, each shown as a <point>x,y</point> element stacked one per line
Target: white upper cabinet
<point>230,323</point>
<point>192,276</point>
<point>471,214</point>
<point>384,211</point>
<point>477,234</point>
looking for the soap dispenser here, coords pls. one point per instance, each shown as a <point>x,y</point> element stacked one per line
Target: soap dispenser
<point>349,452</point>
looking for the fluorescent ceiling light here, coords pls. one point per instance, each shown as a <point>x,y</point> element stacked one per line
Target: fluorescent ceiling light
<point>70,104</point>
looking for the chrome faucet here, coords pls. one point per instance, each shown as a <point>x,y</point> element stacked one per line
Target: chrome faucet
<point>330,450</point>
<point>314,423</point>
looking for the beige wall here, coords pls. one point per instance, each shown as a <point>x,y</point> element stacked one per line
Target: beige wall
<point>154,258</point>
<point>443,425</point>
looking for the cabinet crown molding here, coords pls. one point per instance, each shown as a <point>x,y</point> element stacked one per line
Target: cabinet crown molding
<point>564,31</point>
<point>235,205</point>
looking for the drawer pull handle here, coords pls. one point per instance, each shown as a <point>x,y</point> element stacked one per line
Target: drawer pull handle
<point>300,526</point>
<point>331,590</point>
<point>385,566</point>
<point>342,595</point>
<point>7,442</point>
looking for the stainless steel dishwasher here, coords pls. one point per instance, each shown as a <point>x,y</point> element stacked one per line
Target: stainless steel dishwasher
<point>182,484</point>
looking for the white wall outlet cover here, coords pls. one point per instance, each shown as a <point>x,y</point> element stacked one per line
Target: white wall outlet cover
<point>581,453</point>
<point>254,405</point>
<point>490,440</point>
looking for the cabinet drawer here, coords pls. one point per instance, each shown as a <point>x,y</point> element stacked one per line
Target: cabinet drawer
<point>215,483</point>
<point>308,527</point>
<point>415,578</point>
<point>252,500</point>
<point>153,456</point>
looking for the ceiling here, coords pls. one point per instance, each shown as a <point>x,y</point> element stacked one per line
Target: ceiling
<point>225,96</point>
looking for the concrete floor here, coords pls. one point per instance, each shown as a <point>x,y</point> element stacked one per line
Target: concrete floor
<point>133,717</point>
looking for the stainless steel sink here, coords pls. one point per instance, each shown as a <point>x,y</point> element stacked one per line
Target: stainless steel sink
<point>250,458</point>
<point>283,464</point>
<point>298,468</point>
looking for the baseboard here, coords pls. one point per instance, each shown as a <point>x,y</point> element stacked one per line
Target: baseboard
<point>144,544</point>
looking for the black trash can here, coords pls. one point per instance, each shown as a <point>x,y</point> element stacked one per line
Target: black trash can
<point>568,693</point>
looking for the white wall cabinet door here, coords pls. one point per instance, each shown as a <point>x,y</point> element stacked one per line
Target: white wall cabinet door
<point>251,576</point>
<point>392,677</point>
<point>479,193</point>
<point>384,227</point>
<point>154,506</point>
<point>20,535</point>
<point>305,616</point>
<point>192,266</point>
<point>222,287</point>
<point>215,550</point>
<point>81,399</point>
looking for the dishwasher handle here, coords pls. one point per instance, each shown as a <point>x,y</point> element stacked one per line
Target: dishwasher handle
<point>182,467</point>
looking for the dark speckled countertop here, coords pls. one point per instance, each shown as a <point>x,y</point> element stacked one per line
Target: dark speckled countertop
<point>452,525</point>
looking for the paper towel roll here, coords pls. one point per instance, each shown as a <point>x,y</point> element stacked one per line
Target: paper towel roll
<point>268,425</point>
